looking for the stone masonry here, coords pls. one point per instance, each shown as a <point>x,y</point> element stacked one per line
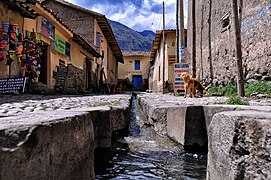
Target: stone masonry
<point>77,20</point>
<point>237,137</point>
<point>214,39</point>
<point>54,137</point>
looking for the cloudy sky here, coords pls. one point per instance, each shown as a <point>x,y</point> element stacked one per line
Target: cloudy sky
<point>137,14</point>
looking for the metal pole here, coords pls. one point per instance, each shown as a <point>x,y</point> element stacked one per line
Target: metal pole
<point>177,32</point>
<point>163,83</point>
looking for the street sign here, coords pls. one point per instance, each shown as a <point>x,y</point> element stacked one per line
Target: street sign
<point>179,68</point>
<point>12,85</point>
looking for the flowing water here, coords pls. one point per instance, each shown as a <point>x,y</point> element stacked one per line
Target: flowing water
<point>146,155</point>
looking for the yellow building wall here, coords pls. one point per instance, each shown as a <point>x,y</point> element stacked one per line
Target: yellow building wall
<point>13,17</point>
<point>170,50</point>
<point>77,58</point>
<point>127,70</point>
<point>158,64</point>
<point>53,57</point>
<point>30,25</point>
<point>110,61</point>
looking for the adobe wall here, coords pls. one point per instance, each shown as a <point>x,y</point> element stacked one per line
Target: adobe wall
<point>255,27</point>
<point>78,21</point>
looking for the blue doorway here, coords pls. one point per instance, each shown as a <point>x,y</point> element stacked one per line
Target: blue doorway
<point>137,82</point>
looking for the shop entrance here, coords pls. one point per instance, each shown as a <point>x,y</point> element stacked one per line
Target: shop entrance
<point>88,74</point>
<point>43,64</point>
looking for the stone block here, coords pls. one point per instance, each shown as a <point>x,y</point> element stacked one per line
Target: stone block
<point>186,125</point>
<point>239,145</point>
<point>176,117</point>
<point>49,146</point>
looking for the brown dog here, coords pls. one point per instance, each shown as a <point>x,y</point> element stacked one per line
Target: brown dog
<point>192,84</point>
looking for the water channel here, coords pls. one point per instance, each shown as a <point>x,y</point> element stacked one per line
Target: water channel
<point>143,154</point>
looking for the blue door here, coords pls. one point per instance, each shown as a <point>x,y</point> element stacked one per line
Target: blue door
<point>137,82</point>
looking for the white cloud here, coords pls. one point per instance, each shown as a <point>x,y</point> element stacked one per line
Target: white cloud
<point>138,19</point>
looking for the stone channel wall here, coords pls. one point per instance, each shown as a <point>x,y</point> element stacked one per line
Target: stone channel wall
<point>237,137</point>
<point>58,144</point>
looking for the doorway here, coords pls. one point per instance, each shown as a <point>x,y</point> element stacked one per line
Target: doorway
<point>44,64</point>
<point>137,82</point>
<point>88,75</point>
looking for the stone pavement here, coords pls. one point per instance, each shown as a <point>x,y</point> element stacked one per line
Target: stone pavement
<point>20,104</point>
<point>169,99</point>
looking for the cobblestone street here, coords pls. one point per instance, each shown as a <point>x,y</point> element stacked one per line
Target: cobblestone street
<point>15,105</point>
<point>11,105</point>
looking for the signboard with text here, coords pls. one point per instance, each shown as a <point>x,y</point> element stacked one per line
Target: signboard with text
<point>46,28</point>
<point>179,68</point>
<point>61,46</point>
<point>12,85</point>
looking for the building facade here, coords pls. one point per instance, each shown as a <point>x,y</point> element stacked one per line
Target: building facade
<point>133,74</point>
<point>215,50</point>
<point>65,58</point>
<point>11,38</point>
<point>37,45</point>
<point>95,28</point>
<point>156,71</point>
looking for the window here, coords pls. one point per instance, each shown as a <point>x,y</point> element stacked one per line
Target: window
<point>137,64</point>
<point>98,39</point>
<point>225,22</point>
<point>102,62</point>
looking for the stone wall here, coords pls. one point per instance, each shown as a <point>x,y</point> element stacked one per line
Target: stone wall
<point>58,144</point>
<point>255,27</point>
<point>237,137</point>
<point>75,80</point>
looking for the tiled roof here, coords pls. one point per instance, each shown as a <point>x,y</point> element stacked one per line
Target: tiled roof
<point>136,53</point>
<point>21,7</point>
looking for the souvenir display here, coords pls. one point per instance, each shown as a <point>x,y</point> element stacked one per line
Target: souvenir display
<point>3,44</point>
<point>2,56</point>
<point>32,51</point>
<point>5,26</point>
<point>27,51</point>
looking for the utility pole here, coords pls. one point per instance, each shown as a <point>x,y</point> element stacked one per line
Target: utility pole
<point>210,41</point>
<point>238,50</point>
<point>163,83</point>
<point>193,39</point>
<point>177,32</point>
<point>181,36</point>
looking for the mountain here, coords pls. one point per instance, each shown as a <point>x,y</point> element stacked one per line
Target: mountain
<point>148,34</point>
<point>130,40</point>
